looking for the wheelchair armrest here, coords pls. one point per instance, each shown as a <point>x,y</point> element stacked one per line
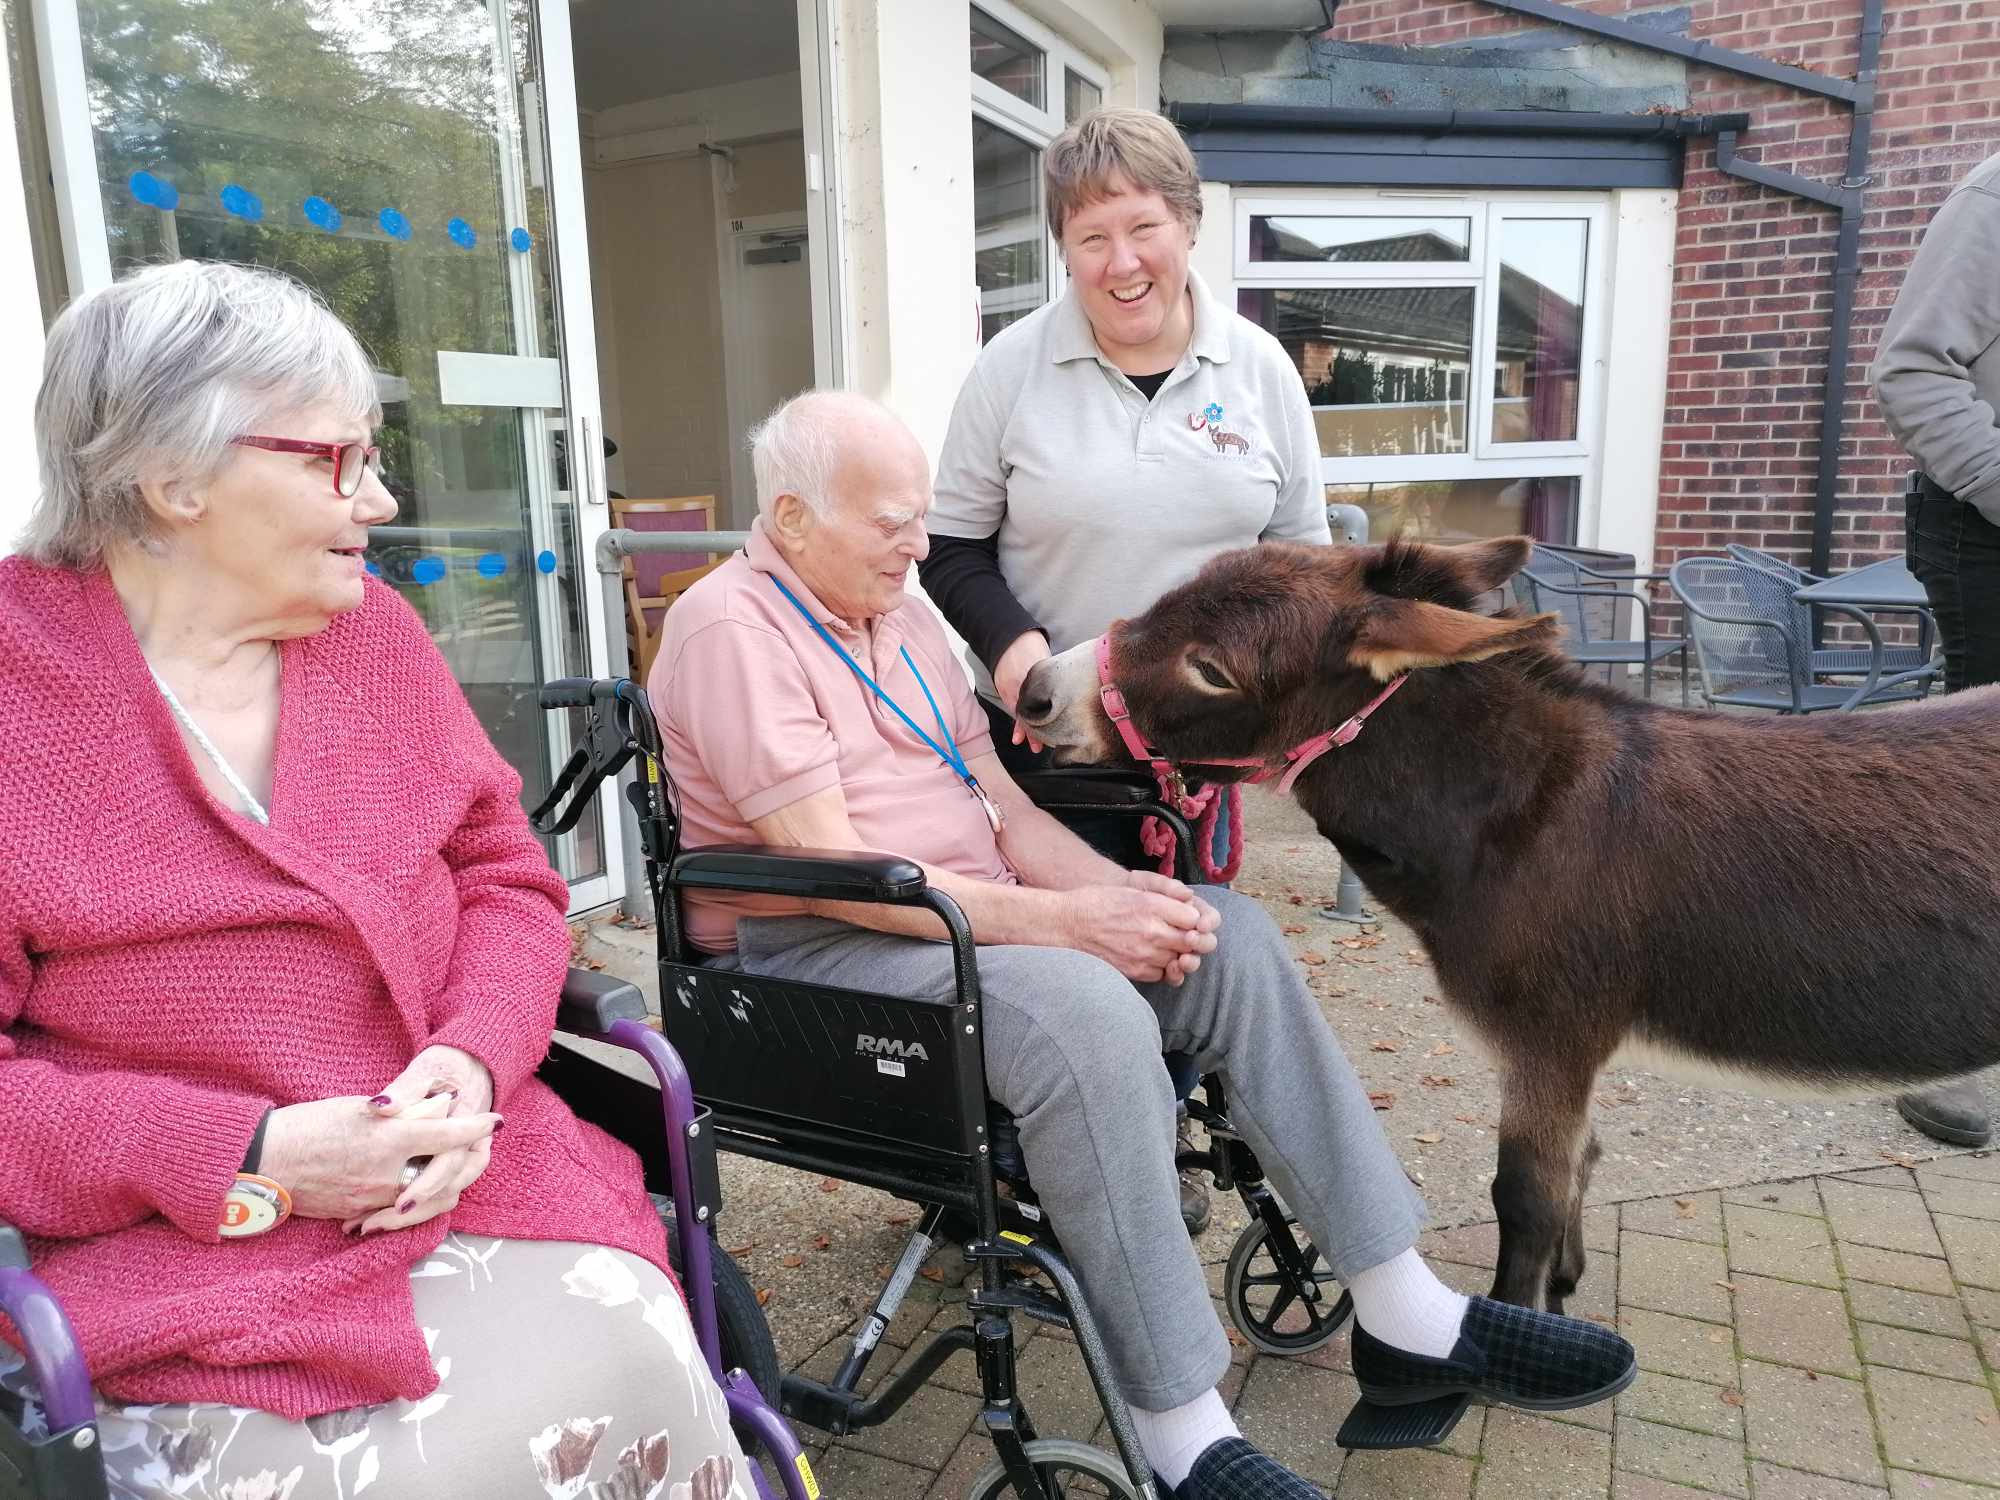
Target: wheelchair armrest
<point>47,1338</point>
<point>591,1002</point>
<point>1088,786</point>
<point>815,874</point>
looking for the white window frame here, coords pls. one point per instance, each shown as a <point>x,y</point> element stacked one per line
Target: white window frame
<point>1034,127</point>
<point>1579,458</point>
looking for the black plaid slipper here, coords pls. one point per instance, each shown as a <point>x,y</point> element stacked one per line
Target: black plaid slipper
<point>1233,1470</point>
<point>1504,1353</point>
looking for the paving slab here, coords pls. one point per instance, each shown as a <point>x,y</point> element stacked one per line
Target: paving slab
<point>1638,1487</point>
<point>1955,1193</point>
<point>1917,1273</point>
<point>1532,1458</point>
<point>1680,1346</point>
<point>1788,1246</point>
<point>1885,1217</point>
<point>1939,1426</point>
<point>1774,1483</point>
<point>1693,1404</point>
<point>1791,1324</point>
<point>1400,1476</point>
<point>1797,1197</point>
<point>1693,1216</point>
<point>1292,1411</point>
<point>1973,1248</point>
<point>1691,1458</point>
<point>1926,1353</point>
<point>1673,1275</point>
<point>1897,1308</point>
<point>1906,1485</point>
<point>1816,1423</point>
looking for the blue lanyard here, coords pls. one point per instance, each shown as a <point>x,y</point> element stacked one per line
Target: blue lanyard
<point>948,751</point>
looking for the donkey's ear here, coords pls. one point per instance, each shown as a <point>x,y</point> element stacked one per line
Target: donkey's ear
<point>1410,569</point>
<point>1403,634</point>
<point>1486,565</point>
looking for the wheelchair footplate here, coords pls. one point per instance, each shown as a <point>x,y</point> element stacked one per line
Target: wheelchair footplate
<point>1422,1424</point>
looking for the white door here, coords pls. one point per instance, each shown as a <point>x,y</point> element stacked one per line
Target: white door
<point>417,163</point>
<point>768,335</point>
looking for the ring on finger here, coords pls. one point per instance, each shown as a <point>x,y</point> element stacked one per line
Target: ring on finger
<point>412,1169</point>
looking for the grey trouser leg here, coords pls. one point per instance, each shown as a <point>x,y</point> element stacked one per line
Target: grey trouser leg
<point>1073,1052</point>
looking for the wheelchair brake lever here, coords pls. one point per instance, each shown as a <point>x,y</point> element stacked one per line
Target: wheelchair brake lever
<point>618,723</point>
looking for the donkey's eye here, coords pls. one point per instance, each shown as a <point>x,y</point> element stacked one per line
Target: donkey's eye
<point>1212,677</point>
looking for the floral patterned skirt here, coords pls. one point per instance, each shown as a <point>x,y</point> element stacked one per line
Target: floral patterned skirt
<point>567,1371</point>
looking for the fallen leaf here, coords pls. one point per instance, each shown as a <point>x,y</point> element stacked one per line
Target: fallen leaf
<point>1466,1119</point>
<point>1310,957</point>
<point>1431,1000</point>
<point>1383,1099</point>
<point>1683,1208</point>
<point>1292,927</point>
<point>1428,1137</point>
<point>1297,900</point>
<point>743,1249</point>
<point>763,1296</point>
<point>1730,1397</point>
<point>1812,1375</point>
<point>897,1219</point>
<point>1771,1198</point>
<point>883,1273</point>
<point>821,1241</point>
<point>930,1273</point>
<point>1899,1159</point>
<point>1442,1049</point>
<point>1727,1286</point>
<point>829,1184</point>
<point>1437,1080</point>
<point>793,1261</point>
<point>1718,1335</point>
<point>1384,1045</point>
<point>1234,1337</point>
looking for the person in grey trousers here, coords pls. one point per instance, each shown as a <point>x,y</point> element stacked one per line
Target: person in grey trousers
<point>774,689</point>
<point>1937,376</point>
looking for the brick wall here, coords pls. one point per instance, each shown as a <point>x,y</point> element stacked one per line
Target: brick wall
<point>1752,292</point>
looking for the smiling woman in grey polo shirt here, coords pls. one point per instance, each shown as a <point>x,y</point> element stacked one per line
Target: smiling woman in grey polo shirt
<point>1106,446</point>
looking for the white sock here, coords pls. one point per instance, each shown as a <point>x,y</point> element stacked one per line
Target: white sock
<point>1173,1440</point>
<point>1404,1305</point>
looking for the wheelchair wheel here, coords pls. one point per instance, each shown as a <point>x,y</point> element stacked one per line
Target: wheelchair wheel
<point>1069,1471</point>
<point>1282,1298</point>
<point>741,1331</point>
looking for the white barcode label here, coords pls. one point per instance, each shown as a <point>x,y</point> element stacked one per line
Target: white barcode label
<point>893,1069</point>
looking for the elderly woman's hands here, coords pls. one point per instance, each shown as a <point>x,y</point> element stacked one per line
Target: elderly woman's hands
<point>339,1158</point>
<point>440,1081</point>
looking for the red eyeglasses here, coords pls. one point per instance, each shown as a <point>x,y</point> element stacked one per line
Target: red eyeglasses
<point>349,459</point>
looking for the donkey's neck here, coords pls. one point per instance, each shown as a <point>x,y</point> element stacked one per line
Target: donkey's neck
<point>1461,767</point>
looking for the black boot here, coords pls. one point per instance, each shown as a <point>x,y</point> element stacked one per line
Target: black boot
<point>1954,1113</point>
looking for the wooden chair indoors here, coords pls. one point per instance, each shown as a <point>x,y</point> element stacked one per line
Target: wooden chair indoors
<point>654,580</point>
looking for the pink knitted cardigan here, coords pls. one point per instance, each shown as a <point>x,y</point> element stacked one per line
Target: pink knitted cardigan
<point>169,969</point>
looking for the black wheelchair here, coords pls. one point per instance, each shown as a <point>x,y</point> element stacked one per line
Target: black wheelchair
<point>889,1092</point>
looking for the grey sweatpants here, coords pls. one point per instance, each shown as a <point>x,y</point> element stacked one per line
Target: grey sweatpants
<point>1073,1050</point>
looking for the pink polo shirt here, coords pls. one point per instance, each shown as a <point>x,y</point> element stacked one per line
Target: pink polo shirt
<point>757,712</point>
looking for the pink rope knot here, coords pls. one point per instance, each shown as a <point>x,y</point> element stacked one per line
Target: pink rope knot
<point>1202,809</point>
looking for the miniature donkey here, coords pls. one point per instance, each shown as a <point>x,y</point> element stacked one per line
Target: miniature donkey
<point>1790,903</point>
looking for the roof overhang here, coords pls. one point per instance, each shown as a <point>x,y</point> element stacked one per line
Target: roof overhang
<point>1245,15</point>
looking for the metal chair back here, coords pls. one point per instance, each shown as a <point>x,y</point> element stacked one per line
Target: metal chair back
<point>1741,620</point>
<point>1592,607</point>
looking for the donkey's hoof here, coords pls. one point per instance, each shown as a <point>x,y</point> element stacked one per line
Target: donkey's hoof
<point>1504,1353</point>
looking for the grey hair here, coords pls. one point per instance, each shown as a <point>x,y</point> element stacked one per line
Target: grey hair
<point>796,451</point>
<point>146,381</point>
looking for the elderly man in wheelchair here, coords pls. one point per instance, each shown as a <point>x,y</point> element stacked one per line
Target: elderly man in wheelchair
<point>803,705</point>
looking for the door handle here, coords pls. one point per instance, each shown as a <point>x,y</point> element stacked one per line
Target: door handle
<point>587,460</point>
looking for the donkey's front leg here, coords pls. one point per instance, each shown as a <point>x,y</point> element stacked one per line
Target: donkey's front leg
<point>1542,1118</point>
<point>1571,1259</point>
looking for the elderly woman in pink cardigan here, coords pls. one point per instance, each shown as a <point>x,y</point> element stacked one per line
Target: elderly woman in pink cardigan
<point>278,956</point>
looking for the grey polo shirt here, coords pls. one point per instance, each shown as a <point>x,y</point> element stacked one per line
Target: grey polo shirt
<point>1103,500</point>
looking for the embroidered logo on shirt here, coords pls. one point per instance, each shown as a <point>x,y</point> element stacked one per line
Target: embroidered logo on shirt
<point>1210,416</point>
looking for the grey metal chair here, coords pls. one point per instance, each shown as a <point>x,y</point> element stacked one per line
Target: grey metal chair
<point>1841,661</point>
<point>1597,605</point>
<point>1752,652</point>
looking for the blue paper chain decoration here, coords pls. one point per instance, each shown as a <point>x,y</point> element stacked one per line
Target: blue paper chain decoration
<point>394,224</point>
<point>521,240</point>
<point>462,234</point>
<point>154,192</point>
<point>243,203</point>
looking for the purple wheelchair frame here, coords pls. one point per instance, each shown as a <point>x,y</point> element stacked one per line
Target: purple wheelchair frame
<point>66,1463</point>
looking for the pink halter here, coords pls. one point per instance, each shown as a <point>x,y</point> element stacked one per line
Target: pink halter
<point>1296,759</point>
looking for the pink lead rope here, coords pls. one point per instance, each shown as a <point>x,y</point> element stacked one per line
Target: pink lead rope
<point>1171,783</point>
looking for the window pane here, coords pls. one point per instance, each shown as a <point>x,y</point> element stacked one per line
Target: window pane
<point>1080,97</point>
<point>1006,58</point>
<point>1008,227</point>
<point>1358,237</point>
<point>1463,510</point>
<point>1386,368</point>
<point>1538,366</point>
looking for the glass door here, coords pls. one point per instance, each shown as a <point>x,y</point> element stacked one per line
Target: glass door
<point>416,162</point>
